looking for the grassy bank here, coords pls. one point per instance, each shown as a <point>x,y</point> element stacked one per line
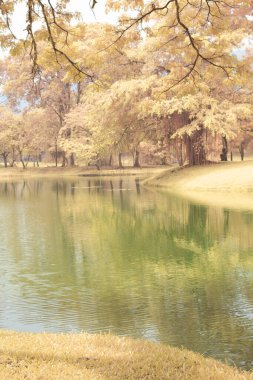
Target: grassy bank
<point>102,357</point>
<point>224,184</point>
<point>229,176</point>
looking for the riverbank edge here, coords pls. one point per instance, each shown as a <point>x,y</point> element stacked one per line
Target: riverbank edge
<point>229,176</point>
<point>7,174</point>
<point>47,356</point>
<point>228,185</point>
<point>222,176</point>
<point>224,184</point>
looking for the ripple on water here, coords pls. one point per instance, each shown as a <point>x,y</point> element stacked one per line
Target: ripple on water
<point>99,255</point>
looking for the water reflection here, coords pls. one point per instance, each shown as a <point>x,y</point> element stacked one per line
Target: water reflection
<point>100,255</point>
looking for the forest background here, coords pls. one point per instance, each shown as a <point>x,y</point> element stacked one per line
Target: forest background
<point>161,82</point>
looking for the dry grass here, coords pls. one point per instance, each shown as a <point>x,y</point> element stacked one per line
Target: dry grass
<point>225,184</point>
<point>59,172</point>
<point>102,357</point>
<point>235,176</point>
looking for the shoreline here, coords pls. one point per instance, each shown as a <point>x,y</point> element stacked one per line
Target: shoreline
<point>78,171</point>
<point>227,185</point>
<point>218,177</point>
<point>48,356</point>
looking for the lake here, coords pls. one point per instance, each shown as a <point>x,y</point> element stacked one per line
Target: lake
<point>99,255</point>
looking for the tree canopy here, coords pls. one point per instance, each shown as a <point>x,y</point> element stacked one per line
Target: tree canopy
<point>167,78</point>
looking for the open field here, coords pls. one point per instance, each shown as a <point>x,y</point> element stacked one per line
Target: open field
<point>102,357</point>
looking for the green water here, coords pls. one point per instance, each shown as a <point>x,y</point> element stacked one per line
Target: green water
<point>101,255</point>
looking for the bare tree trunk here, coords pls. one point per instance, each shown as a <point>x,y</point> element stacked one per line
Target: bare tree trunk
<point>110,160</point>
<point>163,157</point>
<point>120,161</point>
<point>5,156</point>
<point>68,103</point>
<point>241,150</point>
<point>137,159</point>
<point>224,152</point>
<point>190,153</point>
<point>27,162</point>
<point>79,93</point>
<point>179,150</point>
<point>72,160</point>
<point>163,160</point>
<point>21,158</point>
<point>56,153</point>
<point>64,160</point>
<point>13,158</point>
<point>195,148</point>
<point>35,161</point>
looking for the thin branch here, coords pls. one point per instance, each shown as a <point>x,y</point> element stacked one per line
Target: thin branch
<point>56,50</point>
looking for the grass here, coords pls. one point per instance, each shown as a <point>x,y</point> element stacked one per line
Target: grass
<point>102,357</point>
<point>51,171</point>
<point>227,184</point>
<point>229,176</point>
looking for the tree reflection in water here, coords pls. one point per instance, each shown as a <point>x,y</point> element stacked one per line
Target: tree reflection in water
<point>109,255</point>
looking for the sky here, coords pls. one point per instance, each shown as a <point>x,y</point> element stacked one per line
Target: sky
<point>88,16</point>
<point>82,6</point>
<point>18,24</point>
<point>18,21</point>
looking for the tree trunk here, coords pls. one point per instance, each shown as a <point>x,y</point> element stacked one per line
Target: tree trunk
<point>163,160</point>
<point>68,95</point>
<point>21,158</point>
<point>241,150</point>
<point>64,160</point>
<point>120,161</point>
<point>179,151</point>
<point>195,148</point>
<point>5,155</point>
<point>163,157</point>
<point>231,155</point>
<point>98,162</point>
<point>13,158</point>
<point>27,162</point>
<point>72,160</point>
<point>110,160</point>
<point>137,159</point>
<point>224,152</point>
<point>79,92</point>
<point>56,153</point>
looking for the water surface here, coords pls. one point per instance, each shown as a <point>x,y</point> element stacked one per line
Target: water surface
<point>100,255</point>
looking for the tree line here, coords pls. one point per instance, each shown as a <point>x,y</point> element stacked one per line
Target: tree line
<point>167,84</point>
